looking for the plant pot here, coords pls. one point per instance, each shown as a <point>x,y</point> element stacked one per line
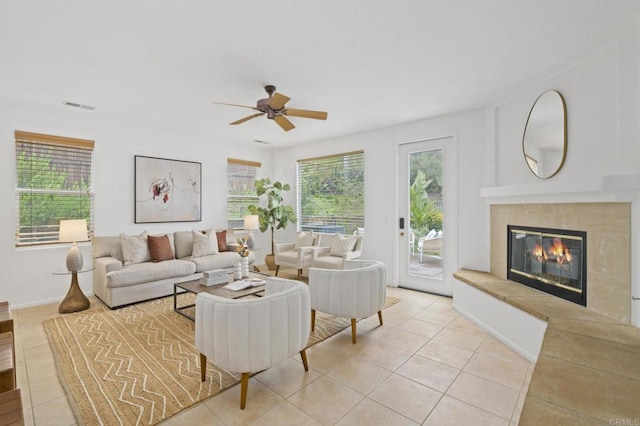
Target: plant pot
<point>270,261</point>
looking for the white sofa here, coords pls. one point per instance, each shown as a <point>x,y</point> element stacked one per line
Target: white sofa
<point>119,282</point>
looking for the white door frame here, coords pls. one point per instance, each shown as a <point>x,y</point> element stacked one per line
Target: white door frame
<point>442,286</point>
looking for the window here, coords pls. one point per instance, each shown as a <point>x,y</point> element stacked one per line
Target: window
<point>241,189</point>
<point>331,193</point>
<point>54,181</point>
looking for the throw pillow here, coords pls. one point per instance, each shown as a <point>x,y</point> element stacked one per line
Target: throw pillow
<point>135,248</point>
<point>342,245</point>
<point>304,239</point>
<point>222,240</point>
<point>160,248</point>
<point>204,243</point>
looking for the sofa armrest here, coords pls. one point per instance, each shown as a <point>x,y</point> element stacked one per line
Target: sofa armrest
<point>104,265</point>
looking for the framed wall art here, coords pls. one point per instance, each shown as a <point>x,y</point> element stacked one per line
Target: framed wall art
<point>167,190</point>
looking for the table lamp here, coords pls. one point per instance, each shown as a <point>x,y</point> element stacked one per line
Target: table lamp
<point>72,231</point>
<point>251,223</point>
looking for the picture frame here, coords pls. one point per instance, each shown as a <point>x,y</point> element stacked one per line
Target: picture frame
<point>167,190</point>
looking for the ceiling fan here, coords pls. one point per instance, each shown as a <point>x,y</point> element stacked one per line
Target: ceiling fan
<point>274,108</point>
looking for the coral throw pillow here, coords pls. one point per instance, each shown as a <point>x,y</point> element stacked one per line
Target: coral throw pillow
<point>222,240</point>
<point>160,248</point>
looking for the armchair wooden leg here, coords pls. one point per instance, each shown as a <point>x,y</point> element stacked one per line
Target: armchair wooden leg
<point>353,330</point>
<point>203,367</point>
<point>313,319</point>
<point>299,273</point>
<point>244,386</point>
<point>380,316</point>
<point>303,355</point>
<point>277,269</point>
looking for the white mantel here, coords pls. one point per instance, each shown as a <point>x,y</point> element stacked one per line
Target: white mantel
<point>609,188</point>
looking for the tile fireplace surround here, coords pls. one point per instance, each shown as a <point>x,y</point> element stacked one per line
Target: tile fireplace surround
<point>608,228</point>
<point>587,369</point>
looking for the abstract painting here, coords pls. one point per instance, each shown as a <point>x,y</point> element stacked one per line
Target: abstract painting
<point>167,190</point>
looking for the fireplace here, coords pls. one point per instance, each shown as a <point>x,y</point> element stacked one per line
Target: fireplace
<point>550,260</point>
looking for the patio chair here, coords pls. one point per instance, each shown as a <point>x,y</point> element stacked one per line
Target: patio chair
<point>430,244</point>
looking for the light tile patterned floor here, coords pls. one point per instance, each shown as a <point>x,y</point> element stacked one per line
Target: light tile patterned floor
<point>426,365</point>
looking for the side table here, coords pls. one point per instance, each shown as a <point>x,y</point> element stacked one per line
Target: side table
<point>75,300</point>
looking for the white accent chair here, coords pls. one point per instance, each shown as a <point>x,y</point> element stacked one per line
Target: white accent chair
<point>297,255</point>
<point>251,335</point>
<point>357,291</point>
<point>328,253</point>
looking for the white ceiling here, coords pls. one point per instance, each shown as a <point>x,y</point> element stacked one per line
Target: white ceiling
<point>368,63</point>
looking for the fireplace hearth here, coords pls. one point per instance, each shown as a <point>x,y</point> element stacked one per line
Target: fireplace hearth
<point>550,260</point>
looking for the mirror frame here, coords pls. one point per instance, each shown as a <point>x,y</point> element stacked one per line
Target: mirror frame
<point>564,134</point>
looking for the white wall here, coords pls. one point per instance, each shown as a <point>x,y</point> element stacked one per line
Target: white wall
<point>602,94</point>
<point>471,131</point>
<point>28,272</point>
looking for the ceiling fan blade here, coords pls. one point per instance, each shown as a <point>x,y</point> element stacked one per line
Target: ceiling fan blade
<point>277,101</point>
<point>242,106</point>
<point>242,120</point>
<point>283,122</point>
<point>318,115</point>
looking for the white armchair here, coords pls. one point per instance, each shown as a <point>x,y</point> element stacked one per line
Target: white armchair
<point>298,255</point>
<point>339,250</point>
<point>358,291</point>
<point>251,335</point>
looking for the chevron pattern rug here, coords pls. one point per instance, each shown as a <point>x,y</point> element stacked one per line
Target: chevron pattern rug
<point>138,364</point>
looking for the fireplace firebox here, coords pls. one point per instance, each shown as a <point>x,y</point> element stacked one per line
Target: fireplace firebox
<point>550,260</point>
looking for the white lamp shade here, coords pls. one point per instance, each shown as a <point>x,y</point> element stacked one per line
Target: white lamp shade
<point>251,222</point>
<point>73,230</point>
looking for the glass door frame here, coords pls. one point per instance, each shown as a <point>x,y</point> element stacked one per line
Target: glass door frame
<point>443,286</point>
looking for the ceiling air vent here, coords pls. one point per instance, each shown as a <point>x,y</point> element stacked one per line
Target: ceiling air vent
<point>77,105</point>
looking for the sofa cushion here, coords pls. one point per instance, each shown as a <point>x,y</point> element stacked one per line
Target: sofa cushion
<point>342,244</point>
<point>204,243</point>
<point>225,259</point>
<point>148,271</point>
<point>135,248</point>
<point>183,243</point>
<point>107,247</point>
<point>160,248</point>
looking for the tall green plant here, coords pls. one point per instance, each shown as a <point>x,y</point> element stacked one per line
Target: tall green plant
<point>275,215</point>
<point>424,214</point>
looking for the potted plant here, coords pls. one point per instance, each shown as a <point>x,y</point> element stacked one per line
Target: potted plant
<point>275,215</point>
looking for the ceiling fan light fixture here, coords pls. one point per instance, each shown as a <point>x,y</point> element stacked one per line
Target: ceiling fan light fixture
<point>274,108</point>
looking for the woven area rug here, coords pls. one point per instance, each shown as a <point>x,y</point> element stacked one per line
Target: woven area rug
<point>139,364</point>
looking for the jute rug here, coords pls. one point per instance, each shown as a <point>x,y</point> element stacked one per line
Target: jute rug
<point>138,364</point>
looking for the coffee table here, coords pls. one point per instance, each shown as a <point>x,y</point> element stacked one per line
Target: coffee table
<point>195,287</point>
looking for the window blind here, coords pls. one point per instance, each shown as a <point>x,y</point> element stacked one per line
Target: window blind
<point>54,181</point>
<point>241,190</point>
<point>331,193</point>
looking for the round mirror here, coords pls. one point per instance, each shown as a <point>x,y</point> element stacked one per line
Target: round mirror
<point>544,143</point>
